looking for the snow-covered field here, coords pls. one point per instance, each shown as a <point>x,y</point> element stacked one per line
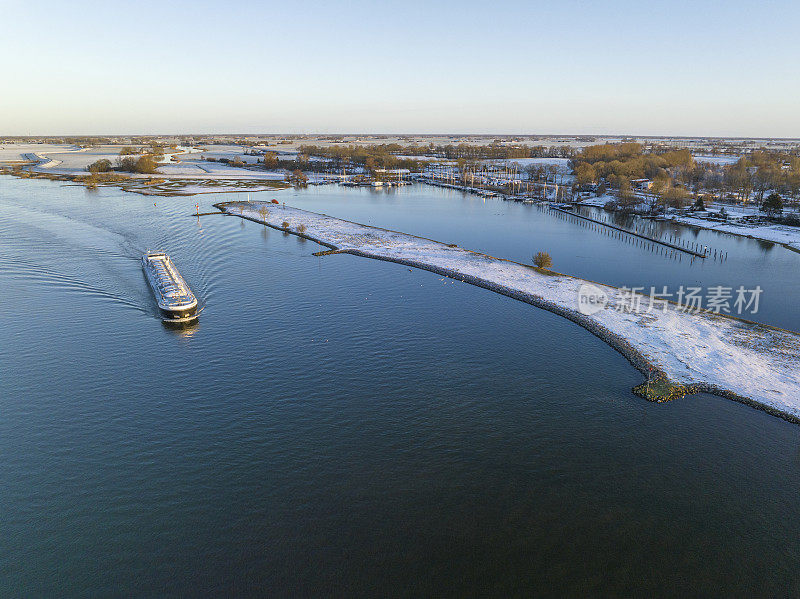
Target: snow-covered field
<point>598,201</point>
<point>561,163</point>
<point>423,158</point>
<point>197,169</point>
<point>11,153</point>
<point>721,160</point>
<point>561,166</point>
<point>188,187</point>
<point>744,361</point>
<point>72,161</point>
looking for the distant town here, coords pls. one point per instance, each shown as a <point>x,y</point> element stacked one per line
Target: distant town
<point>742,186</point>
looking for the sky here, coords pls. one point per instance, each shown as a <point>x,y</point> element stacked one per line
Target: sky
<point>701,68</point>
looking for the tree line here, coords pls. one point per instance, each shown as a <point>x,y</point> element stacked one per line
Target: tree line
<point>386,152</point>
<point>675,177</point>
<point>127,164</point>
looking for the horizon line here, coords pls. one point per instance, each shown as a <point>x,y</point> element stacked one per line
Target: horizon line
<point>411,134</point>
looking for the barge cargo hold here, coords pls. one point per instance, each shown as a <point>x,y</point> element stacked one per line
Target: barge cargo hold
<point>175,300</point>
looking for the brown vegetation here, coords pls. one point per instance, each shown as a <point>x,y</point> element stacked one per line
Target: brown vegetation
<point>144,164</point>
<point>99,166</point>
<point>298,178</point>
<point>542,260</point>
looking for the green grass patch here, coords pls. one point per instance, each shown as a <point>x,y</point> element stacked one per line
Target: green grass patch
<point>660,389</point>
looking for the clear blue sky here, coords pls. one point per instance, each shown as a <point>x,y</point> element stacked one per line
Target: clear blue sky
<point>669,67</point>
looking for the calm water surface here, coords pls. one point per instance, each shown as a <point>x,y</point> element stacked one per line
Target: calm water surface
<point>342,426</point>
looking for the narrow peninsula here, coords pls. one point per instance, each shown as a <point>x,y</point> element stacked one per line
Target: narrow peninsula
<point>679,352</point>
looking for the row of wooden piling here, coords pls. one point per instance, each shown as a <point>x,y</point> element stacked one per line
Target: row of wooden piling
<point>689,247</point>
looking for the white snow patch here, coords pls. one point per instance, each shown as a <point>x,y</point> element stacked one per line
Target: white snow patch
<point>720,160</point>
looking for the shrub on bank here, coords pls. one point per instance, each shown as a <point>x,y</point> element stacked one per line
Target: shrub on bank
<point>542,260</point>
<point>298,177</point>
<point>144,164</point>
<point>792,220</point>
<point>773,205</point>
<point>99,166</point>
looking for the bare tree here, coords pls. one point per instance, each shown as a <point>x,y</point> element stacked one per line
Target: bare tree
<point>542,260</point>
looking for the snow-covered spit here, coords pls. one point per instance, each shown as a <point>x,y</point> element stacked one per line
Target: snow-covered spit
<point>740,360</point>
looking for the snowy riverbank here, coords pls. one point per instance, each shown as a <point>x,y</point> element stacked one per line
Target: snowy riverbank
<point>782,234</point>
<point>752,363</point>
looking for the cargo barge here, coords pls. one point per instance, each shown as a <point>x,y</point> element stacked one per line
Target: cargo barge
<point>175,300</point>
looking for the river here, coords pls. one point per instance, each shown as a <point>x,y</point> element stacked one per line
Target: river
<point>345,426</point>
